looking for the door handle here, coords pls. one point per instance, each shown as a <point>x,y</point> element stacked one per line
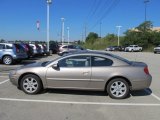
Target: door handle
<point>85,73</point>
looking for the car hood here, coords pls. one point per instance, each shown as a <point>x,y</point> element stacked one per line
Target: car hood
<point>37,64</point>
<point>157,48</point>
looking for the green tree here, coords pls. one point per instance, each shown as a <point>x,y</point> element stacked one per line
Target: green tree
<point>91,38</point>
<point>145,26</point>
<point>2,41</point>
<point>141,35</point>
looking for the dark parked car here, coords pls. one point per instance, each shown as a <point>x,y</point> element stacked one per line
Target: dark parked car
<point>53,48</point>
<point>115,48</point>
<point>28,49</point>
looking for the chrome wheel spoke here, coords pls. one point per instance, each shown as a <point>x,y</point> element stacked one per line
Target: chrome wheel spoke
<point>121,84</point>
<point>116,84</point>
<point>113,91</point>
<point>117,93</point>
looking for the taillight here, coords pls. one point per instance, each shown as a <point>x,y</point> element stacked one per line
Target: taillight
<point>146,70</point>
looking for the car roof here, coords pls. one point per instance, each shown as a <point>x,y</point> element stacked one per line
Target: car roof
<point>88,52</point>
<point>6,43</point>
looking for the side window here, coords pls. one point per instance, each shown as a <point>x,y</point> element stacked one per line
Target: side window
<point>8,47</point>
<point>2,46</point>
<point>76,61</point>
<point>100,61</point>
<point>65,47</point>
<point>70,46</point>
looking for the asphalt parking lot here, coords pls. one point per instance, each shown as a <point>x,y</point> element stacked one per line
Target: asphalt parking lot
<point>81,105</point>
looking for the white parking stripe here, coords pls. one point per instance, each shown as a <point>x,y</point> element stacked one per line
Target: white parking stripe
<point>5,73</point>
<point>3,76</point>
<point>80,103</point>
<point>4,81</point>
<point>155,96</point>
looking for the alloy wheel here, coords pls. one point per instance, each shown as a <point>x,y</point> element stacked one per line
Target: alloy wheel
<point>30,85</point>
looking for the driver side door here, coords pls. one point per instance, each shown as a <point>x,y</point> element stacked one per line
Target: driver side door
<point>72,72</point>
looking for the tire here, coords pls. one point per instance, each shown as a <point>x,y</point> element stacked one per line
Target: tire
<point>155,52</point>
<point>118,88</point>
<point>51,52</point>
<point>31,84</point>
<point>7,60</point>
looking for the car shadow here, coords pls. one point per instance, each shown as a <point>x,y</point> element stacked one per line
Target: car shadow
<point>75,92</point>
<point>145,92</point>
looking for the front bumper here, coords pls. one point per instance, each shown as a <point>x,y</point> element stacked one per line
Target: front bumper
<point>13,79</point>
<point>157,50</point>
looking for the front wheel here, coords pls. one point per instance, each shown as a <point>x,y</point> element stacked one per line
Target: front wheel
<point>118,88</point>
<point>31,84</point>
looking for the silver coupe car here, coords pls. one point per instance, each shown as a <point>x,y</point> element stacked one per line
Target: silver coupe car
<point>89,70</point>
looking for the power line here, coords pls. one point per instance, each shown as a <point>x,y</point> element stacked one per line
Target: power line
<point>110,8</point>
<point>91,9</point>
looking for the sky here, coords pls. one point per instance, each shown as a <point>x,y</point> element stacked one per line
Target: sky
<point>18,17</point>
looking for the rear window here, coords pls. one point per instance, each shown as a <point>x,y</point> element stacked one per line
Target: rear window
<point>100,61</point>
<point>8,47</point>
<point>19,48</point>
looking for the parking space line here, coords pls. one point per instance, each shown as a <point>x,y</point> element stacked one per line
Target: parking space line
<point>80,103</point>
<point>155,96</point>
<point>3,76</point>
<point>4,81</point>
<point>4,73</point>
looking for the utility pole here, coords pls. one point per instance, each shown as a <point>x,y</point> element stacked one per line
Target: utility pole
<point>145,12</point>
<point>85,32</point>
<point>48,30</point>
<point>68,34</point>
<point>62,30</point>
<point>119,28</point>
<point>100,29</point>
<point>82,37</point>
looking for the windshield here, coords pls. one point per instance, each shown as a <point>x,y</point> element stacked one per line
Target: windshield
<point>44,64</point>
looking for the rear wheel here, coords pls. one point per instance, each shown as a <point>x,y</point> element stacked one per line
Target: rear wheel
<point>155,52</point>
<point>31,84</point>
<point>7,60</point>
<point>118,88</point>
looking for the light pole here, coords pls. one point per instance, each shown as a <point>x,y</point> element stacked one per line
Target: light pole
<point>145,12</point>
<point>48,4</point>
<point>62,30</point>
<point>119,28</point>
<point>68,34</point>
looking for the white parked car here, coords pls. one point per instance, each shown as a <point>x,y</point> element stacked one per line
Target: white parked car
<point>133,48</point>
<point>157,49</point>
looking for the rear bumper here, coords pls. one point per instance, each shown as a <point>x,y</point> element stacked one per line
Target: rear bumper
<point>142,84</point>
<point>23,56</point>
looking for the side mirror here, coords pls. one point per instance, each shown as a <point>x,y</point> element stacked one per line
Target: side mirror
<point>55,66</point>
